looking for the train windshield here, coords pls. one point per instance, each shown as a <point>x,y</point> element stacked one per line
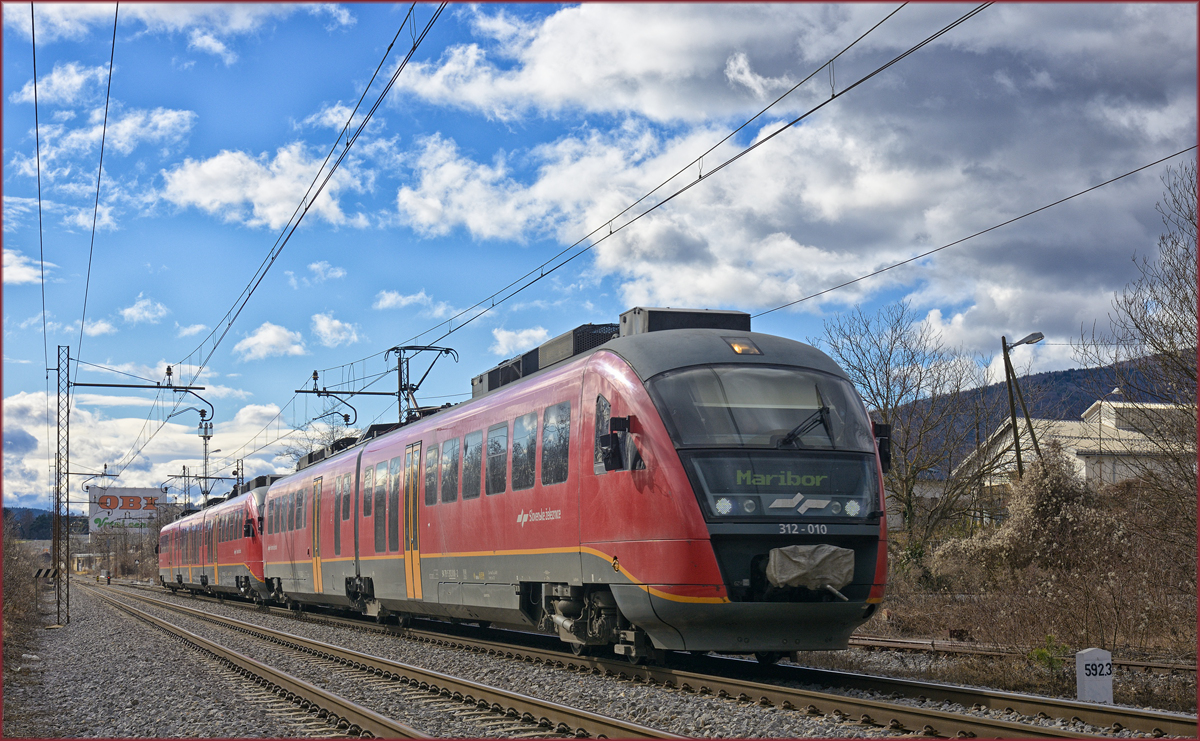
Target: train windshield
<point>783,485</point>
<point>723,406</point>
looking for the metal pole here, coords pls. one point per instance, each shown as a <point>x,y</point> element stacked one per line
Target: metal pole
<point>1012,406</point>
<point>60,538</point>
<point>1028,422</point>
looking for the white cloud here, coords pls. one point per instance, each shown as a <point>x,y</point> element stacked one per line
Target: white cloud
<point>321,272</point>
<point>190,330</point>
<point>397,300</point>
<point>260,191</point>
<point>97,327</point>
<point>65,85</point>
<point>268,341</point>
<point>19,269</point>
<point>509,342</point>
<point>144,310</point>
<point>738,72</point>
<point>332,332</point>
<point>206,42</point>
<point>56,21</point>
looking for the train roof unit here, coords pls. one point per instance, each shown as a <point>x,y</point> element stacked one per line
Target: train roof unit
<point>583,338</point>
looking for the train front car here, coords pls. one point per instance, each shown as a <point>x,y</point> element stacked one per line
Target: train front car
<point>737,502</point>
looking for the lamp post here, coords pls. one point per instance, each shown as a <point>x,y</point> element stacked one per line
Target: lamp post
<point>1010,379</point>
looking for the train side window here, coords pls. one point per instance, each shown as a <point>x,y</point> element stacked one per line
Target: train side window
<point>290,508</point>
<point>524,451</point>
<point>497,458</point>
<point>603,414</point>
<point>347,495</point>
<point>393,505</point>
<point>368,488</point>
<point>431,475</point>
<point>299,509</point>
<point>556,439</point>
<point>270,517</point>
<point>450,470</point>
<point>472,468</point>
<point>381,482</point>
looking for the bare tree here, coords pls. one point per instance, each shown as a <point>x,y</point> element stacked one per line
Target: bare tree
<point>934,399</point>
<point>1150,344</point>
<point>318,433</point>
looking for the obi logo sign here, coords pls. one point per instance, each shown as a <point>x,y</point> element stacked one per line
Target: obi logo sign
<point>120,509</point>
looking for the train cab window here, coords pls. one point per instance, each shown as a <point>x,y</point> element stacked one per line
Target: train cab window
<point>497,458</point>
<point>603,415</point>
<point>299,509</point>
<point>524,452</point>
<point>368,477</point>
<point>393,505</point>
<point>347,495</point>
<point>556,438</point>
<point>381,481</point>
<point>431,475</point>
<point>472,468</point>
<point>450,470</point>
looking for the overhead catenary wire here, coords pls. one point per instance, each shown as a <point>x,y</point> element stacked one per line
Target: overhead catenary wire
<point>927,253</point>
<point>306,203</point>
<point>37,143</point>
<point>541,270</point>
<point>99,174</point>
<point>607,230</point>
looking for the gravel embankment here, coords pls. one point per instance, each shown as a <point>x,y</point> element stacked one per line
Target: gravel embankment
<point>669,710</point>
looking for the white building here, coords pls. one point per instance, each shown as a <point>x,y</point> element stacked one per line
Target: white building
<point>1113,441</point>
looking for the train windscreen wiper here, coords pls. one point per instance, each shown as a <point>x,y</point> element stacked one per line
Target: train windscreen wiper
<point>820,415</point>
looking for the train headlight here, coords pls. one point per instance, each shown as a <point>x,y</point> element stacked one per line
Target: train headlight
<point>749,505</point>
<point>852,508</point>
<point>724,506</point>
<point>835,508</point>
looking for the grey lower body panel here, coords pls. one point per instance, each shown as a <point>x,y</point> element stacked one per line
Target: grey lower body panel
<point>741,627</point>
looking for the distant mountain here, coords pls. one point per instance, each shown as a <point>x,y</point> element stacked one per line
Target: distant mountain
<point>29,523</point>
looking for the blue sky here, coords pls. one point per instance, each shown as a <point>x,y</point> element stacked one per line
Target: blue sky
<point>514,132</point>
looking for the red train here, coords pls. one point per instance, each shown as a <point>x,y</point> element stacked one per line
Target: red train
<point>673,482</point>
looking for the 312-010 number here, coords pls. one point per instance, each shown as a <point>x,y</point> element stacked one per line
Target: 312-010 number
<point>1098,669</point>
<point>792,528</point>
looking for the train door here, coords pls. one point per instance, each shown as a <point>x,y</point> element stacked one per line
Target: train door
<point>354,507</point>
<point>315,519</point>
<point>412,529</point>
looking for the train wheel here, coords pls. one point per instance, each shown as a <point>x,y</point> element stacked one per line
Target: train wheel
<point>580,649</point>
<point>403,619</point>
<point>769,658</point>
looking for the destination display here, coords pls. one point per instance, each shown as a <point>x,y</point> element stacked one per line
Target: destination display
<point>787,486</point>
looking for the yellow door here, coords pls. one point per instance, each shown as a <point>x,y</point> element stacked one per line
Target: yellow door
<point>315,519</point>
<point>412,531</point>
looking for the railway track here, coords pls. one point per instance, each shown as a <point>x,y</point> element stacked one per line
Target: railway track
<point>969,648</point>
<point>747,681</point>
<point>327,711</point>
<point>510,713</point>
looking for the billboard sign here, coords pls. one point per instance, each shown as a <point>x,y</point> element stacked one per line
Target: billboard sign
<point>112,510</point>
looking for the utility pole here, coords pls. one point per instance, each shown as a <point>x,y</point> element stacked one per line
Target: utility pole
<point>60,544</point>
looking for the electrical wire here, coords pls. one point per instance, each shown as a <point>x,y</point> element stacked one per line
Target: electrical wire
<point>37,140</point>
<point>539,272</point>
<point>976,234</point>
<point>289,229</point>
<point>99,173</point>
<point>113,370</point>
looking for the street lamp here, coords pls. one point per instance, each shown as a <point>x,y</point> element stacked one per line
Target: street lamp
<point>1010,379</point>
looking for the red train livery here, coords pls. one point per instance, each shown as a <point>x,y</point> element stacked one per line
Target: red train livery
<point>687,484</point>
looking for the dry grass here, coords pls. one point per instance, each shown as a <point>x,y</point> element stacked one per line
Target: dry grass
<point>1011,673</point>
<point>21,616</point>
